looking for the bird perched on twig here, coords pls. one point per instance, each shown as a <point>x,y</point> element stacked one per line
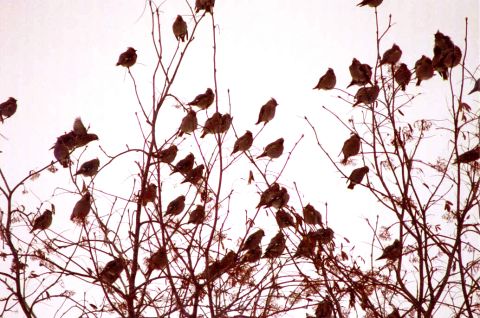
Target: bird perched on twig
<point>351,147</point>
<point>469,156</point>
<point>195,175</point>
<point>212,124</point>
<point>81,209</point>
<point>127,58</point>
<point>8,108</point>
<point>361,73</point>
<point>112,271</point>
<point>366,95</point>
<point>423,69</point>
<point>158,260</point>
<point>392,252</point>
<point>176,206</point>
<point>253,240</point>
<point>311,215</point>
<point>180,29</point>
<point>252,255</point>
<point>392,55</point>
<point>476,87</point>
<point>276,246</point>
<point>306,248</point>
<point>445,54</point>
<point>203,101</point>
<point>284,219</point>
<point>197,216</point>
<point>322,236</point>
<point>357,176</point>
<point>189,123</point>
<point>206,5</point>
<point>89,168</point>
<point>370,3</point>
<point>167,155</point>
<point>273,149</point>
<point>394,314</point>
<point>324,308</point>
<point>402,76</point>
<point>243,143</point>
<point>77,137</point>
<point>267,112</point>
<point>44,221</point>
<point>225,123</point>
<point>268,195</point>
<point>327,81</point>
<point>149,194</point>
<point>185,165</point>
<point>62,154</point>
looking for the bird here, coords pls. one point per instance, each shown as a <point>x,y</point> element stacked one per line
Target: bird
<point>167,155</point>
<point>403,76</point>
<point>469,156</point>
<point>89,168</point>
<point>268,195</point>
<point>149,194</point>
<point>252,255</point>
<point>206,5</point>
<point>392,252</point>
<point>327,81</point>
<point>442,42</point>
<point>273,149</point>
<point>361,73</point>
<point>81,209</point>
<point>127,58</point>
<point>311,215</point>
<point>367,95</point>
<point>158,260</point>
<point>112,271</point>
<point>267,111</point>
<point>44,221</point>
<point>306,248</point>
<point>423,69</point>
<point>476,87</point>
<point>212,124</point>
<point>253,240</point>
<point>322,236</point>
<point>77,137</point>
<point>197,216</point>
<point>280,199</point>
<point>195,175</point>
<point>189,123</point>
<point>351,147</point>
<point>356,176</point>
<point>394,314</point>
<point>203,101</point>
<point>180,29</point>
<point>225,123</point>
<point>392,55</point>
<point>276,246</point>
<point>325,307</point>
<point>185,165</point>
<point>284,219</point>
<point>370,3</point>
<point>62,154</point>
<point>452,57</point>
<point>176,206</point>
<point>8,108</point>
<point>243,143</point>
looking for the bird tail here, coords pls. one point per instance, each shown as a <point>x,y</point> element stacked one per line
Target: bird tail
<point>418,82</point>
<point>473,91</point>
<point>262,155</point>
<point>351,185</point>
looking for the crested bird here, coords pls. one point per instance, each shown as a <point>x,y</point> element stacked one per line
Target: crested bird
<point>8,108</point>
<point>195,175</point>
<point>403,76</point>
<point>311,215</point>
<point>276,246</point>
<point>127,58</point>
<point>176,206</point>
<point>392,55</point>
<point>189,123</point>
<point>81,209</point>
<point>351,147</point>
<point>158,260</point>
<point>392,252</point>
<point>167,155</point>
<point>325,307</point>
<point>212,124</point>
<point>197,216</point>
<point>268,195</point>
<point>423,69</point>
<point>149,194</point>
<point>184,165</point>
<point>357,176</point>
<point>206,5</point>
<point>267,111</point>
<point>327,81</point>
<point>468,156</point>
<point>112,271</point>
<point>361,73</point>
<point>253,240</point>
<point>43,221</point>
<point>243,143</point>
<point>180,29</point>
<point>273,149</point>
<point>252,255</point>
<point>89,168</point>
<point>366,95</point>
<point>203,101</point>
<point>284,219</point>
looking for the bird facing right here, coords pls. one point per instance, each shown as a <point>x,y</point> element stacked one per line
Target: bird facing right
<point>128,58</point>
<point>273,149</point>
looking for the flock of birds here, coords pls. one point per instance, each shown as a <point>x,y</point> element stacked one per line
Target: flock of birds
<point>446,55</point>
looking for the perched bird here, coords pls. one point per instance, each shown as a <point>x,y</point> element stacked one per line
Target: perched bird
<point>361,73</point>
<point>197,216</point>
<point>89,168</point>
<point>185,165</point>
<point>392,252</point>
<point>325,307</point>
<point>452,57</point>
<point>252,255</point>
<point>216,269</point>
<point>81,209</point>
<point>127,58</point>
<point>439,66</point>
<point>62,154</point>
<point>44,221</point>
<point>392,55</point>
<point>370,3</point>
<point>276,246</point>
<point>112,271</point>
<point>244,142</point>
<point>442,42</point>
<point>77,137</point>
<point>253,240</point>
<point>158,260</point>
<point>189,123</point>
<point>469,156</point>
<point>180,29</point>
<point>356,176</point>
<point>203,101</point>
<point>322,236</point>
<point>149,194</point>
<point>268,195</point>
<point>225,123</point>
<point>423,69</point>
<point>394,314</point>
<point>195,175</point>
<point>327,81</point>
<point>445,54</point>
<point>351,147</point>
<point>168,155</point>
<point>311,215</point>
<point>273,149</point>
<point>267,112</point>
<point>279,200</point>
<point>8,108</point>
<point>284,219</point>
<point>206,5</point>
<point>176,206</point>
<point>403,76</point>
<point>212,124</point>
<point>306,248</point>
<point>366,95</point>
<point>476,87</point>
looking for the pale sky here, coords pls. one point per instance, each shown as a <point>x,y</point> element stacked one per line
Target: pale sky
<point>58,60</point>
